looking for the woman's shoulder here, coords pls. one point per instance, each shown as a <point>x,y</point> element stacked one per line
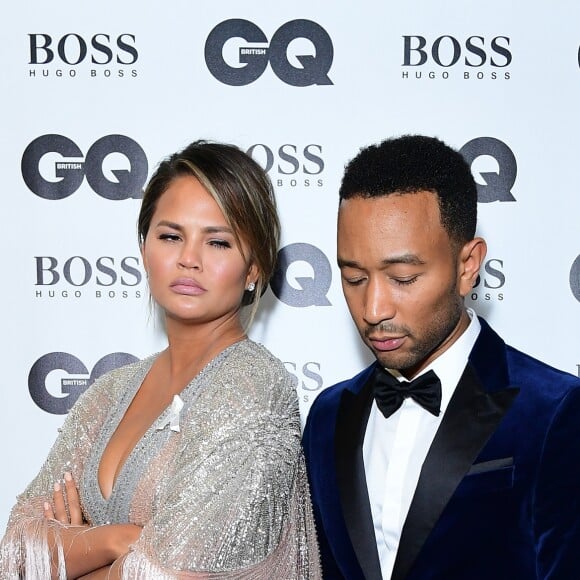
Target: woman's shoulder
<point>257,371</point>
<point>254,354</point>
<point>110,383</point>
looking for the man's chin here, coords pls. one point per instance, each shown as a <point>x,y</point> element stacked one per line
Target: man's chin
<point>397,361</point>
<point>389,360</point>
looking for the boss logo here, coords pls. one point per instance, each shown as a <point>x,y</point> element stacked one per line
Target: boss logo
<point>73,49</point>
<point>447,51</point>
<point>79,271</point>
<point>302,277</point>
<point>489,282</point>
<point>494,183</point>
<point>255,53</point>
<point>492,276</point>
<point>289,159</point>
<point>53,167</point>
<point>58,395</point>
<point>305,376</point>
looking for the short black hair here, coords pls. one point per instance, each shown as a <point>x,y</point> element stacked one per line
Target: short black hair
<point>413,163</point>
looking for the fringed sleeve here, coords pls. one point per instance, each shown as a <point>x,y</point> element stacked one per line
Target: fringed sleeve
<point>24,550</point>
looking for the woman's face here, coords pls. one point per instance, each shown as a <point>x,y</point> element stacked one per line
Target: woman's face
<point>196,271</point>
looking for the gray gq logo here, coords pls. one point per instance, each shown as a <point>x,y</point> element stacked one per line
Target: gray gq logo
<point>575,278</point>
<point>253,60</point>
<point>497,185</point>
<point>71,388</point>
<point>312,290</point>
<point>71,170</point>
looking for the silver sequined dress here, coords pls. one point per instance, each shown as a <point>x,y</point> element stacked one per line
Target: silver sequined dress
<point>225,497</point>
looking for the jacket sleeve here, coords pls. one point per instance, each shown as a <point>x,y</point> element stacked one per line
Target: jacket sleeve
<point>557,496</point>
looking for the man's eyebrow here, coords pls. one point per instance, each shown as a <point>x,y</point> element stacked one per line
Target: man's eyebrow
<point>411,259</point>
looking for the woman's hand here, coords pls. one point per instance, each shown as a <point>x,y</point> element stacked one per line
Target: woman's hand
<point>58,511</point>
<point>87,549</point>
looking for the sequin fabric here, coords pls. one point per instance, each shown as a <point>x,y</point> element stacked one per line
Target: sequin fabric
<point>225,498</point>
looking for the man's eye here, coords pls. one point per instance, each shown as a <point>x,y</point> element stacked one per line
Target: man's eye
<point>406,281</point>
<point>354,281</point>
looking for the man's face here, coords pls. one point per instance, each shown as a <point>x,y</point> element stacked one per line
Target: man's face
<point>401,278</point>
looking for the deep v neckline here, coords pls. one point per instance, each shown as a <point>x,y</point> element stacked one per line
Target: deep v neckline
<point>122,408</point>
<point>116,506</point>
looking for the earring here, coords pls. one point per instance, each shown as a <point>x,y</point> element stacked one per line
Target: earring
<point>251,287</point>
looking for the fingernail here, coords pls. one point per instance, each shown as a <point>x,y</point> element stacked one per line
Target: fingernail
<point>67,476</point>
<point>57,486</point>
<point>46,506</point>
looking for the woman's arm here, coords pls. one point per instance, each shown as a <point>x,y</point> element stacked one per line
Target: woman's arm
<point>32,540</point>
<point>85,548</point>
<point>88,549</point>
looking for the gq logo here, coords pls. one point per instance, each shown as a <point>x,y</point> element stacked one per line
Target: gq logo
<point>251,61</point>
<point>575,279</point>
<point>306,290</point>
<point>494,183</point>
<point>69,387</point>
<point>53,167</point>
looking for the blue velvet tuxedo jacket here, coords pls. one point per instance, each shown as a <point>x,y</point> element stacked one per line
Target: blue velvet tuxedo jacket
<point>499,492</point>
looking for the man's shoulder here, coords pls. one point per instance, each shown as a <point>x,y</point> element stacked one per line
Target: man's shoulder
<point>528,369</point>
<point>523,369</point>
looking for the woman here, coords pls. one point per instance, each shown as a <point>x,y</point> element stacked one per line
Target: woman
<point>188,463</point>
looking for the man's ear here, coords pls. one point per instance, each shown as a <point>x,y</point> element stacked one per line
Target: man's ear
<point>470,259</point>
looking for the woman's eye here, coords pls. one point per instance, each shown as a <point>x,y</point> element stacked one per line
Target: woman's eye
<point>169,237</point>
<point>222,244</point>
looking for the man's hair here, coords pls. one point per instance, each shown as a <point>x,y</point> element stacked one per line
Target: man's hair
<point>414,163</point>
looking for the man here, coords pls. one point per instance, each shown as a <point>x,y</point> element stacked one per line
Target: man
<point>473,470</point>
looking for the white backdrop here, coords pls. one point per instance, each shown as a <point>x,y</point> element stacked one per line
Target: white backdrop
<point>500,80</point>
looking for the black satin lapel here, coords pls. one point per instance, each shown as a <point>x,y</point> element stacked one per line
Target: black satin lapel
<point>470,420</point>
<point>352,418</point>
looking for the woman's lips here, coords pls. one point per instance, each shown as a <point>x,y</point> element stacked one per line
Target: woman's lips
<point>387,344</point>
<point>187,286</point>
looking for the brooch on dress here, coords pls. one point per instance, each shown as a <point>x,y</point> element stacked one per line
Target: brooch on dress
<point>172,418</point>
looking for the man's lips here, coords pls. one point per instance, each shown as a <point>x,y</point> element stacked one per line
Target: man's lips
<point>386,343</point>
<point>187,286</point>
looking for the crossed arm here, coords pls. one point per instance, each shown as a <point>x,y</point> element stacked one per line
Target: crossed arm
<point>89,552</point>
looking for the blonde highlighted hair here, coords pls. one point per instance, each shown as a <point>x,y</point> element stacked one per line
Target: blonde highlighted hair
<point>243,192</point>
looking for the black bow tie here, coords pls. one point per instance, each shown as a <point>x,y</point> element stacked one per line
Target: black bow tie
<point>390,393</point>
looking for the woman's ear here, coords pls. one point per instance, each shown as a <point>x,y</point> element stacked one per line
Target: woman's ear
<point>253,275</point>
<point>143,258</point>
<point>470,259</point>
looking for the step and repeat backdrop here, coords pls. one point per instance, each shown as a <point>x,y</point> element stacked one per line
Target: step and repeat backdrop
<point>95,95</point>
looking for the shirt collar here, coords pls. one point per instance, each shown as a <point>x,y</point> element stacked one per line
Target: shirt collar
<point>450,365</point>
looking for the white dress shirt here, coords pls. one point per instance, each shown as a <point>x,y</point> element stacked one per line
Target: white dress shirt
<point>394,449</point>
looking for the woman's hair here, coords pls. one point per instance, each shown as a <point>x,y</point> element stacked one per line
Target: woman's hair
<point>243,192</point>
